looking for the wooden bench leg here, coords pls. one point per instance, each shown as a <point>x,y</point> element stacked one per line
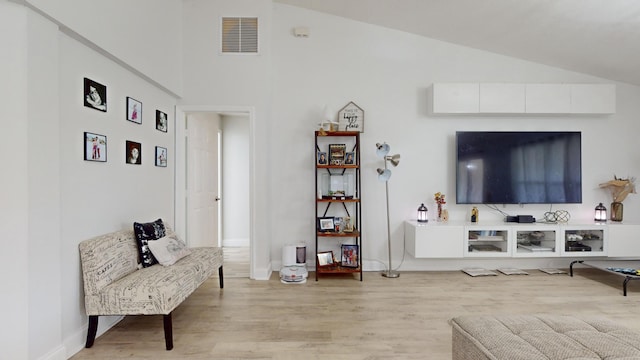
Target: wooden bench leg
<point>93,329</point>
<point>221,278</point>
<point>168,331</point>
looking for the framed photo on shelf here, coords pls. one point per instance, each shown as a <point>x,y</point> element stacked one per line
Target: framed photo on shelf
<point>322,158</point>
<point>133,153</point>
<point>325,258</point>
<point>338,225</point>
<point>336,153</point>
<point>161,156</point>
<point>349,255</point>
<point>95,147</point>
<point>134,110</point>
<point>326,224</point>
<point>348,225</point>
<point>350,158</point>
<point>95,95</point>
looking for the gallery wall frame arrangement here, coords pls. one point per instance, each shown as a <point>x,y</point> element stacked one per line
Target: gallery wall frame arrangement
<point>161,156</point>
<point>162,122</point>
<point>95,147</point>
<point>95,95</point>
<point>134,110</point>
<point>133,152</point>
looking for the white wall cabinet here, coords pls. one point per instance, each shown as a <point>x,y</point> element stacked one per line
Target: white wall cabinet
<point>433,240</point>
<point>502,98</point>
<point>512,240</point>
<point>548,98</point>
<point>456,98</point>
<point>623,240</point>
<point>517,98</point>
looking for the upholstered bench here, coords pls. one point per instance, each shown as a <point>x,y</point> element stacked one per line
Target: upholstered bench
<point>543,337</point>
<point>116,283</point>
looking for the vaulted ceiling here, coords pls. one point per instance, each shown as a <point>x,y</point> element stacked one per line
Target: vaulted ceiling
<point>597,37</point>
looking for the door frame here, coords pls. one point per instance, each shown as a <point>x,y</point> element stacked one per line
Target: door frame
<point>180,213</point>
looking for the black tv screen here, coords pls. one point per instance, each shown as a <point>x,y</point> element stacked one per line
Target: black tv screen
<point>514,167</point>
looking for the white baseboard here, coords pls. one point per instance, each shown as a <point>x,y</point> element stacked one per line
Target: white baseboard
<point>59,353</point>
<point>77,341</point>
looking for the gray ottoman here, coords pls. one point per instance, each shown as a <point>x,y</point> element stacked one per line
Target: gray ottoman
<point>544,337</point>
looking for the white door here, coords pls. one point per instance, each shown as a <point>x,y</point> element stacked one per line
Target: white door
<point>202,179</point>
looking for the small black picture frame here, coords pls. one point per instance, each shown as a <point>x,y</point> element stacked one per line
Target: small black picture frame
<point>133,152</point>
<point>326,224</point>
<point>95,95</point>
<point>322,158</point>
<point>350,158</point>
<point>134,110</point>
<point>161,156</point>
<point>349,256</point>
<point>95,147</point>
<point>162,121</point>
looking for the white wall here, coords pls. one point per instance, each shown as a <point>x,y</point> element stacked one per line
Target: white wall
<point>144,35</point>
<point>102,197</point>
<point>236,81</point>
<point>388,73</point>
<point>53,198</point>
<point>14,182</point>
<point>235,181</point>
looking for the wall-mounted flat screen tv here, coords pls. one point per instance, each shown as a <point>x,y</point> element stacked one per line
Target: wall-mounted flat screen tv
<point>516,167</point>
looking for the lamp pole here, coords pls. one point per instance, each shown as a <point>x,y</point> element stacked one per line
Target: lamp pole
<point>389,273</point>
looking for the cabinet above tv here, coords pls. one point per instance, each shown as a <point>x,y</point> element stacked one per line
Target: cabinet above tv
<point>520,98</point>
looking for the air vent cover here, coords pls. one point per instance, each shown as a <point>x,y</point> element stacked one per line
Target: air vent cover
<point>239,35</point>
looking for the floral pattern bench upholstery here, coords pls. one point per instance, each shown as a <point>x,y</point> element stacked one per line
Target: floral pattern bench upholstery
<point>115,283</point>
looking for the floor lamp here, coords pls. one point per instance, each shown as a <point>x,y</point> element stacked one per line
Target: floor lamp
<point>385,175</point>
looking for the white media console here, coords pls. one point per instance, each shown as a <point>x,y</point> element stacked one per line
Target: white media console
<point>460,240</point>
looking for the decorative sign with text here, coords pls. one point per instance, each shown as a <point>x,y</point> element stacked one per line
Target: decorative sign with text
<point>351,118</point>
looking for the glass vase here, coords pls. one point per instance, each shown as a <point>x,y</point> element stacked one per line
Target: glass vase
<point>616,211</point>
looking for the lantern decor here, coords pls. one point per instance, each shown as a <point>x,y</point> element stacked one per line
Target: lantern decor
<point>422,214</point>
<point>601,213</point>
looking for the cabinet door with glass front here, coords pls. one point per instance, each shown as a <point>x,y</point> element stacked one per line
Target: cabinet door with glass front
<point>584,240</point>
<point>535,241</point>
<point>492,241</point>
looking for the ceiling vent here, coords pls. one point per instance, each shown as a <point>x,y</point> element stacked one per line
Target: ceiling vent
<point>239,35</point>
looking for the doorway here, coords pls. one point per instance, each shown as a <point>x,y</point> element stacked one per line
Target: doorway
<point>213,182</point>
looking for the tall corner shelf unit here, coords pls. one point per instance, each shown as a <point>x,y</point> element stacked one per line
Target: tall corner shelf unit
<point>337,201</point>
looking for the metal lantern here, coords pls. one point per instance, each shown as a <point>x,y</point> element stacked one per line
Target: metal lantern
<point>601,213</point>
<point>422,214</point>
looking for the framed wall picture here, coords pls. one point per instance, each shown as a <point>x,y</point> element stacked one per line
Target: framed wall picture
<point>349,256</point>
<point>161,156</point>
<point>326,224</point>
<point>95,147</point>
<point>162,123</point>
<point>134,110</point>
<point>95,95</point>
<point>325,258</point>
<point>133,152</point>
<point>322,158</point>
<point>336,153</point>
<point>351,118</point>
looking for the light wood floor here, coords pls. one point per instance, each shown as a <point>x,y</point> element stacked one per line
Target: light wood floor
<point>342,318</point>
